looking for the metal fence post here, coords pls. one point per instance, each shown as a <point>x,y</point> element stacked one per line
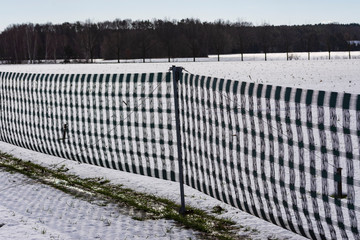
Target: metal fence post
<point>176,77</point>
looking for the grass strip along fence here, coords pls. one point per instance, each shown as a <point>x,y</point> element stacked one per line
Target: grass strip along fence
<point>289,156</point>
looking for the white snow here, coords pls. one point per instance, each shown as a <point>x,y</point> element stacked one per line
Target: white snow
<point>28,208</point>
<point>338,75</point>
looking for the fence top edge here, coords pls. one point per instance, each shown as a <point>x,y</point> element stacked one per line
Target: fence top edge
<point>102,77</point>
<point>305,96</point>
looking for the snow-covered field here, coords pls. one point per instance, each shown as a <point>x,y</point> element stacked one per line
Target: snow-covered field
<point>292,56</point>
<point>331,75</point>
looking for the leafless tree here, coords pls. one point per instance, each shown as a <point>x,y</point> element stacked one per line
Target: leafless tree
<point>193,33</point>
<point>88,34</point>
<point>31,37</point>
<point>144,34</point>
<point>167,34</point>
<point>219,39</point>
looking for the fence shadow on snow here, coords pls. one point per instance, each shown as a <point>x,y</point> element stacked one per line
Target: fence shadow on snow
<point>272,151</point>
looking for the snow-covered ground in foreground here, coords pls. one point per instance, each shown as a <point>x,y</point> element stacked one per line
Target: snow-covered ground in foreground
<point>30,210</point>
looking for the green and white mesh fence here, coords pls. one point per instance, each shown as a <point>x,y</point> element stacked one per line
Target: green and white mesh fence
<point>275,152</point>
<point>119,121</point>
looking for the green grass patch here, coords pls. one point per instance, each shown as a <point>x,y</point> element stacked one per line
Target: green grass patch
<point>343,196</point>
<point>150,206</point>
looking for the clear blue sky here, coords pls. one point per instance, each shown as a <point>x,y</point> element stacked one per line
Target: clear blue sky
<point>276,12</point>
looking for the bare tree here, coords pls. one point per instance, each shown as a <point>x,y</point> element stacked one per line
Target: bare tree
<point>219,39</point>
<point>311,42</point>
<point>31,37</point>
<point>286,36</point>
<point>13,44</point>
<point>265,38</point>
<point>193,33</point>
<point>144,35</point>
<point>88,33</point>
<point>167,34</point>
<point>242,36</point>
<point>120,35</point>
<point>50,42</point>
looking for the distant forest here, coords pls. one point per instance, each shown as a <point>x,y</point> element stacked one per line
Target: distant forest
<point>127,39</point>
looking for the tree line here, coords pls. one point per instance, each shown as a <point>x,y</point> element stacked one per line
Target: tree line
<point>142,39</point>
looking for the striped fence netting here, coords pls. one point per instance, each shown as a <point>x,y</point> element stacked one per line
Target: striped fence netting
<point>119,121</point>
<point>275,152</point>
<point>289,156</point>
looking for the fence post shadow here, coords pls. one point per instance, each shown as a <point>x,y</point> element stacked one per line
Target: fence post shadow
<point>177,73</point>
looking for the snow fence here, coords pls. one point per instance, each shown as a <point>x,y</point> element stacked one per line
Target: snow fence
<point>289,156</point>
